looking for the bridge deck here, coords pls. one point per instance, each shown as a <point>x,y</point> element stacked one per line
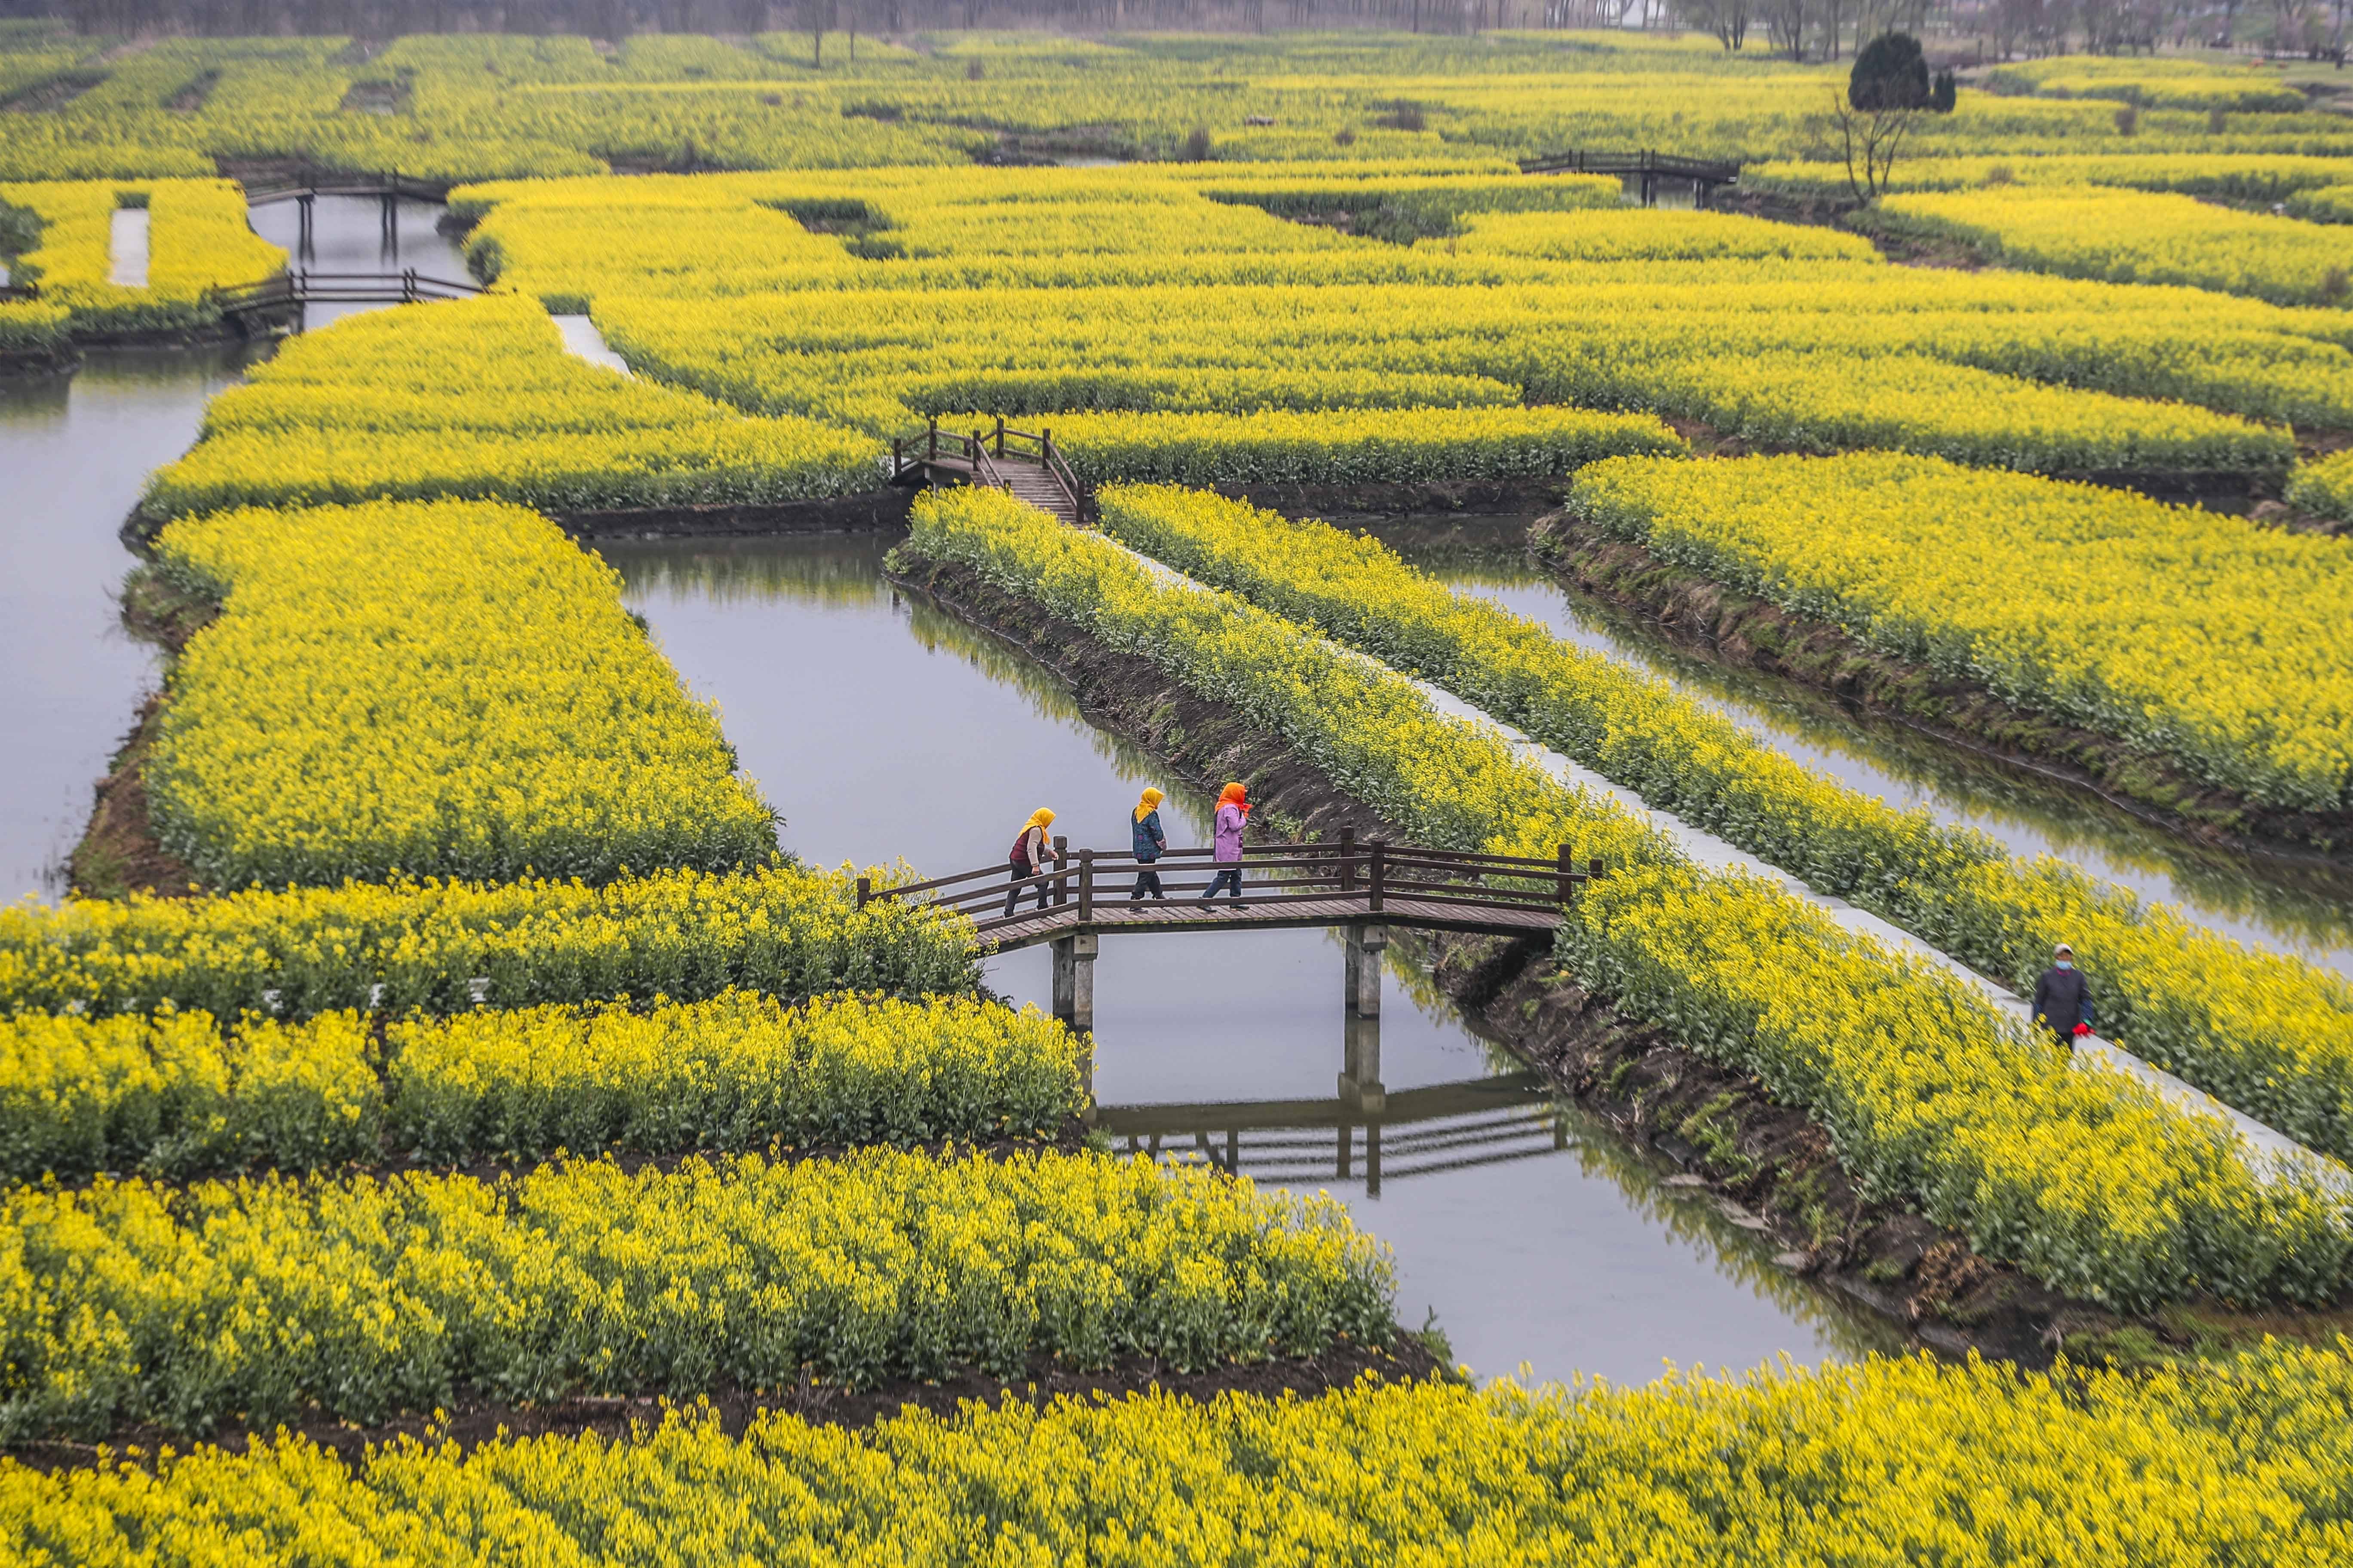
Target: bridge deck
<point>1026,929</point>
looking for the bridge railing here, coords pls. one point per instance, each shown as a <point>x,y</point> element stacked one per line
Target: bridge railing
<point>307,182</point>
<point>981,454</point>
<point>301,288</point>
<point>1370,876</point>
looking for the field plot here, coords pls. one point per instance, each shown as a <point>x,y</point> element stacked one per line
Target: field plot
<point>491,1100</point>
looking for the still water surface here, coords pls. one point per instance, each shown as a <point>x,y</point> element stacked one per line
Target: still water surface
<point>881,727</point>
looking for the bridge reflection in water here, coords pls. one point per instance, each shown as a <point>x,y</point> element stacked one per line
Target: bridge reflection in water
<point>1355,1136</point>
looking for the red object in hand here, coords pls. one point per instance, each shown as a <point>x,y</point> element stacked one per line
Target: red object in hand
<point>2083,1028</point>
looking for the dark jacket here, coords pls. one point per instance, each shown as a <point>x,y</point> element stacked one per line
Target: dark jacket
<point>1149,840</point>
<point>2063,999</point>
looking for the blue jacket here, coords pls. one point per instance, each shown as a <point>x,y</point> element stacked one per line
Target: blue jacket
<point>1149,840</point>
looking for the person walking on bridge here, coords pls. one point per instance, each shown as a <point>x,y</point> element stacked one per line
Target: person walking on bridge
<point>1029,856</point>
<point>1226,841</point>
<point>1143,823</point>
<point>2063,998</point>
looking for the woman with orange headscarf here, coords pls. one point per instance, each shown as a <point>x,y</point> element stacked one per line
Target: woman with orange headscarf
<point>1226,841</point>
<point>1028,855</point>
<point>1149,841</point>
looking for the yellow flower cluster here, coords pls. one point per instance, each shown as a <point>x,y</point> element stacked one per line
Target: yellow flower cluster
<point>125,1303</point>
<point>2087,1180</point>
<point>178,1093</point>
<point>2182,631</point>
<point>2246,176</point>
<point>175,1093</point>
<point>30,329</point>
<point>478,399</point>
<point>1651,234</point>
<point>2151,83</point>
<point>197,241</point>
<point>2136,237</point>
<point>1349,446</point>
<point>445,689</point>
<point>2324,489</point>
<point>2269,1034</point>
<point>1895,1460</point>
<point>1816,354</point>
<point>444,947</point>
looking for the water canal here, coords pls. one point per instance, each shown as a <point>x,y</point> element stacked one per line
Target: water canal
<point>881,727</point>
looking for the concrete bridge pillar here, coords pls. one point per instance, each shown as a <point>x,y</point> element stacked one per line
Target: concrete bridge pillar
<point>1360,1075</point>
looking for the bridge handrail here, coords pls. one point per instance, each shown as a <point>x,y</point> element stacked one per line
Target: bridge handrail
<point>1319,871</point>
<point>1645,162</point>
<point>286,287</point>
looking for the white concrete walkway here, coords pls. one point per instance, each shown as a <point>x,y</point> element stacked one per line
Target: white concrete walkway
<point>2268,1153</point>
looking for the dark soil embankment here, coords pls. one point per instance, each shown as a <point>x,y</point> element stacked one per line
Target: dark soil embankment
<point>119,853</point>
<point>1743,630</point>
<point>1770,1160</point>
<point>873,512</point>
<point>471,1421</point>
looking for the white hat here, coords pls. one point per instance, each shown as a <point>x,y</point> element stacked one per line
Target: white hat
<point>2063,947</point>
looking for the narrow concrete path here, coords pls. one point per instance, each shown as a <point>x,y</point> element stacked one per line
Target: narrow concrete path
<point>582,338</point>
<point>2269,1153</point>
<point>127,247</point>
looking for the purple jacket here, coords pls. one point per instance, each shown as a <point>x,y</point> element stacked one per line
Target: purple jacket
<point>1228,837</point>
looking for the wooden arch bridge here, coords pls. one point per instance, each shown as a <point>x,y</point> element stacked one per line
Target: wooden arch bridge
<point>1363,887</point>
<point>1024,463</point>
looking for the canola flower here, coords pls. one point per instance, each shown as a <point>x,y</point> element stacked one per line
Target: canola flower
<point>2325,487</point>
<point>178,1094</point>
<point>123,1302</point>
<point>2087,1181</point>
<point>1891,1460</point>
<point>2269,1034</point>
<point>2133,236</point>
<point>1651,234</point>
<point>2216,643</point>
<point>2023,373</point>
<point>197,241</point>
<point>442,689</point>
<point>447,946</point>
<point>1349,446</point>
<point>477,399</point>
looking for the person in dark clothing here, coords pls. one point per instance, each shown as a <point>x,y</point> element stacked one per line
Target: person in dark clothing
<point>1029,856</point>
<point>1144,823</point>
<point>2063,998</point>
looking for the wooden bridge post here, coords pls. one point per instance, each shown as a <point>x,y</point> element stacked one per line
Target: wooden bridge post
<point>1061,877</point>
<point>932,451</point>
<point>1086,887</point>
<point>1074,982</point>
<point>1000,434</point>
<point>865,890</point>
<point>1565,886</point>
<point>1373,880</point>
<point>1348,860</point>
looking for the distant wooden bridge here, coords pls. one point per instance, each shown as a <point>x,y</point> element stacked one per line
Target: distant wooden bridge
<point>304,187</point>
<point>1647,166</point>
<point>1363,887</point>
<point>1024,463</point>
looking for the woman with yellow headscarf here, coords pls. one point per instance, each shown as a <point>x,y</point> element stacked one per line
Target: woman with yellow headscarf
<point>1149,842</point>
<point>1030,855</point>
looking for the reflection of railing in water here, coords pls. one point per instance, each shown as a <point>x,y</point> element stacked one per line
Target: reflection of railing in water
<point>1394,1137</point>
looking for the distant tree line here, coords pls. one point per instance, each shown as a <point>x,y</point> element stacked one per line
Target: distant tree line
<point>619,18</point>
